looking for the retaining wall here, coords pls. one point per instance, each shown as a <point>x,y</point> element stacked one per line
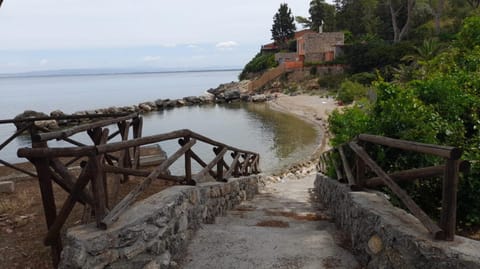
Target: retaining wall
<point>156,229</point>
<point>384,236</point>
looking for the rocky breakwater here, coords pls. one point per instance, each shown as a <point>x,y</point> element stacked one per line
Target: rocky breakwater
<point>224,93</point>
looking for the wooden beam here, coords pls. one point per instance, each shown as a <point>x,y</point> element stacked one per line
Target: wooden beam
<point>67,182</point>
<point>448,219</point>
<point>98,180</point>
<point>17,168</point>
<point>80,128</point>
<point>201,162</point>
<point>82,181</point>
<point>139,173</point>
<point>346,166</point>
<point>407,200</point>
<point>441,151</point>
<point>215,160</point>
<point>130,197</point>
<point>232,166</point>
<point>17,133</point>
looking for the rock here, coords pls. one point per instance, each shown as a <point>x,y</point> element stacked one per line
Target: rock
<point>26,115</point>
<point>192,99</point>
<point>57,113</point>
<point>144,107</point>
<point>170,103</point>
<point>232,94</point>
<point>259,98</point>
<point>47,124</point>
<point>208,98</point>
<point>159,103</point>
<point>7,187</point>
<point>245,97</point>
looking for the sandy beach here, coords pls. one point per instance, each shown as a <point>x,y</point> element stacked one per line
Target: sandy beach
<point>313,109</point>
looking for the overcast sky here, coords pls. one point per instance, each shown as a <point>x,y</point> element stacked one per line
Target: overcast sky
<point>66,34</point>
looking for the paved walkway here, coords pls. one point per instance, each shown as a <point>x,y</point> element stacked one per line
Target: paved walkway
<point>279,228</point>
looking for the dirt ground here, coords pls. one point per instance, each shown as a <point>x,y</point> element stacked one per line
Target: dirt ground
<point>22,221</point>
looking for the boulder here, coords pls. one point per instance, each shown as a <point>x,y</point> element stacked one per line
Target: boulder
<point>231,94</point>
<point>245,97</point>
<point>57,113</point>
<point>192,99</point>
<point>47,124</point>
<point>26,115</point>
<point>144,107</point>
<point>259,98</point>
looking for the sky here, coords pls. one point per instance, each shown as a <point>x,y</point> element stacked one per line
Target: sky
<point>143,34</point>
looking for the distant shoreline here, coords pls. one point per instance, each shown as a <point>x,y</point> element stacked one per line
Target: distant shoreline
<point>80,73</point>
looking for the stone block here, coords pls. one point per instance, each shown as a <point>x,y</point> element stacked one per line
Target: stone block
<point>7,187</point>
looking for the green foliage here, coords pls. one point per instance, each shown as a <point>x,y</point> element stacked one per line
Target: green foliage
<point>347,124</point>
<point>331,82</point>
<point>363,78</point>
<point>365,57</point>
<point>261,62</point>
<point>350,91</point>
<point>469,36</point>
<point>441,106</point>
<point>283,28</point>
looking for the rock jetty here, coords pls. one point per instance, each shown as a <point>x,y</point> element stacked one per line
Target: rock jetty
<point>224,93</point>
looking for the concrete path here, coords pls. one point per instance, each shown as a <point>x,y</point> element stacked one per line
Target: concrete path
<point>280,228</point>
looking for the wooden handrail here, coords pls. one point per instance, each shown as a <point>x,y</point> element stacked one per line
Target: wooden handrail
<point>404,197</point>
<point>77,129</point>
<point>441,151</point>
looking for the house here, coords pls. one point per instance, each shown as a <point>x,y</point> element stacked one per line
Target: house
<point>319,47</point>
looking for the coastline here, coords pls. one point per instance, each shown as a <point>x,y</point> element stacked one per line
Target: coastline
<point>314,110</point>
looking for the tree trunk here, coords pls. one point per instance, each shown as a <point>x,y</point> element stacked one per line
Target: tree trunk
<point>399,34</point>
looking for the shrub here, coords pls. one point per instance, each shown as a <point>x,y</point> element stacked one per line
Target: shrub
<point>331,82</point>
<point>261,62</point>
<point>351,91</point>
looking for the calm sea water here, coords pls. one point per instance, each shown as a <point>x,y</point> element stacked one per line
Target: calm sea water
<point>280,138</point>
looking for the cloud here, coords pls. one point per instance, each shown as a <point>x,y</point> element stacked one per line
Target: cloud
<point>152,58</point>
<point>226,45</point>
<point>43,62</point>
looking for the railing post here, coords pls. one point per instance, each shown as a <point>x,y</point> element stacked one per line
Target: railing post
<point>360,172</point>
<point>188,162</point>
<point>137,133</point>
<point>449,199</point>
<point>48,199</point>
<point>217,150</point>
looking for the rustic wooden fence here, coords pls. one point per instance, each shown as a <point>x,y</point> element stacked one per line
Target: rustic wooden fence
<point>352,169</point>
<point>30,127</point>
<point>122,158</point>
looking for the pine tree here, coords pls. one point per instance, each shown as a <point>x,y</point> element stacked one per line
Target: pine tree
<point>283,28</point>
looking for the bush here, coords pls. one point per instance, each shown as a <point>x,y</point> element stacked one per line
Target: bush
<point>261,62</point>
<point>351,91</point>
<point>363,78</point>
<point>331,82</point>
<point>375,55</point>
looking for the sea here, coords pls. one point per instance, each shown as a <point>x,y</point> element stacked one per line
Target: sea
<point>280,138</point>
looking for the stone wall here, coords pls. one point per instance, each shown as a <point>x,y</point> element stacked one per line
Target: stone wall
<point>153,231</point>
<point>384,236</point>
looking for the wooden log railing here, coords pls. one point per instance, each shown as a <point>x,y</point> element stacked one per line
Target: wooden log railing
<point>35,131</point>
<point>106,157</point>
<point>355,176</point>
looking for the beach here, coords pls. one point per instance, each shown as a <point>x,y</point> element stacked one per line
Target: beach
<point>313,109</point>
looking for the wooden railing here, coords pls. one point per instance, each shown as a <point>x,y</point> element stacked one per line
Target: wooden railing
<point>104,158</point>
<point>354,173</point>
<point>30,127</point>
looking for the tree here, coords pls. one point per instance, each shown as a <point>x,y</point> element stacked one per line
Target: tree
<point>321,14</point>
<point>399,32</point>
<point>283,27</point>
